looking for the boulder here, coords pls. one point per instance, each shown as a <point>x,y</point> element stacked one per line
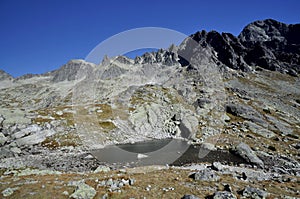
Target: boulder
<point>35,138</point>
<point>248,154</point>
<point>224,195</point>
<point>83,191</point>
<point>190,197</point>
<point>3,139</point>
<point>255,193</point>
<point>205,175</point>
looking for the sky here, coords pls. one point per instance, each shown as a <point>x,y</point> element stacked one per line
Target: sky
<point>37,36</point>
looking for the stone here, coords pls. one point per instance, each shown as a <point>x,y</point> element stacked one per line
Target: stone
<point>26,131</point>
<point>102,169</point>
<point>254,193</point>
<point>217,166</point>
<point>3,139</point>
<point>35,138</point>
<point>259,129</point>
<point>224,195</point>
<point>131,181</point>
<point>141,156</point>
<point>7,192</point>
<point>66,193</point>
<point>208,146</point>
<point>84,191</point>
<point>16,150</point>
<point>248,154</point>
<point>205,175</point>
<point>5,76</point>
<point>1,120</point>
<point>190,197</point>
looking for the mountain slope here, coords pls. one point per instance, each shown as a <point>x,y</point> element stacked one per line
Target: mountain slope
<point>213,87</point>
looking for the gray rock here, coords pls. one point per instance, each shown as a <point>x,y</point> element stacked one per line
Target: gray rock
<point>15,150</point>
<point>255,193</point>
<point>217,166</point>
<point>5,152</point>
<point>36,138</point>
<point>73,70</point>
<point>5,76</point>
<point>83,191</point>
<point>7,192</point>
<point>190,197</point>
<point>224,195</point>
<point>208,146</point>
<point>205,175</point>
<point>102,168</point>
<point>248,154</point>
<point>1,121</point>
<point>3,139</point>
<point>259,129</point>
<point>131,181</point>
<point>26,131</point>
<point>112,72</point>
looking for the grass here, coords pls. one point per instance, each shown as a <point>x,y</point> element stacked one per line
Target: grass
<point>62,140</point>
<point>52,186</point>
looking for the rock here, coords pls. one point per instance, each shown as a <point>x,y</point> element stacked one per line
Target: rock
<point>189,126</point>
<point>5,76</point>
<point>248,154</point>
<point>71,70</point>
<point>208,146</point>
<point>35,138</point>
<point>246,112</point>
<point>15,150</point>
<point>255,193</point>
<point>113,71</point>
<point>1,122</point>
<point>26,131</point>
<point>5,152</point>
<point>217,166</point>
<point>59,113</point>
<point>102,168</point>
<point>89,157</point>
<point>259,130</point>
<point>270,44</point>
<point>141,156</point>
<point>224,195</point>
<point>7,192</point>
<point>3,139</point>
<point>205,175</point>
<point>131,181</point>
<point>83,191</point>
<point>190,197</point>
<point>66,193</point>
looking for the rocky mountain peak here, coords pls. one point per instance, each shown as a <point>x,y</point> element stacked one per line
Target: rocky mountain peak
<point>70,70</point>
<point>264,30</point>
<point>165,57</point>
<point>267,44</point>
<point>5,76</point>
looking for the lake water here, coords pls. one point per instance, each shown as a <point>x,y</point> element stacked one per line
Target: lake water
<point>162,152</point>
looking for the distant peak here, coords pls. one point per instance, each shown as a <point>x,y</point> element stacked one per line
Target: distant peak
<point>5,76</point>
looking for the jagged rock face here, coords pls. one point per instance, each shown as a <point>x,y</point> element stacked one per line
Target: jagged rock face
<point>5,76</point>
<point>70,70</point>
<point>268,44</point>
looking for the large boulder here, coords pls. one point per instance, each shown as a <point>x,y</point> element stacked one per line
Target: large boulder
<point>248,154</point>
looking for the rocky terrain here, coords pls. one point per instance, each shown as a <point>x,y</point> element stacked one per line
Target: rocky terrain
<point>227,96</point>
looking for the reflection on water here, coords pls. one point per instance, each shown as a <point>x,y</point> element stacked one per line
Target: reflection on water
<point>161,152</point>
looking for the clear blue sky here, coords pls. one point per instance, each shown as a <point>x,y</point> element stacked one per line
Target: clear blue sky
<point>37,36</point>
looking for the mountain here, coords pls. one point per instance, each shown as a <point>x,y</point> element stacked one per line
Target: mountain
<point>5,76</point>
<point>238,95</point>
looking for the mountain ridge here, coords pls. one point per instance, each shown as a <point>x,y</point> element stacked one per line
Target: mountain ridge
<point>267,44</point>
